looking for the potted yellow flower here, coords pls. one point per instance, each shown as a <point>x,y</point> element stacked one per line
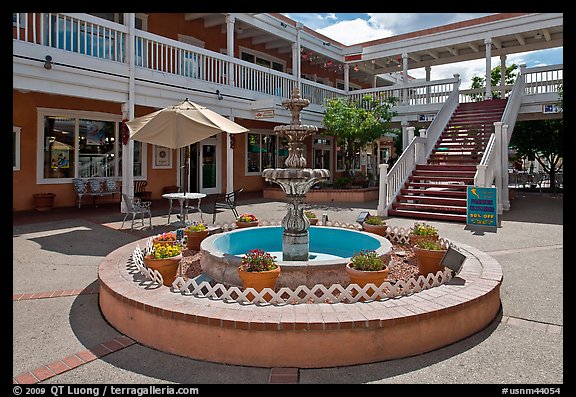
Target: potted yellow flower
<point>258,270</point>
<point>422,231</point>
<point>195,233</point>
<point>165,259</point>
<point>246,220</point>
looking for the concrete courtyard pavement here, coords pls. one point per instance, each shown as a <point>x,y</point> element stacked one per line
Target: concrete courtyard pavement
<point>60,335</point>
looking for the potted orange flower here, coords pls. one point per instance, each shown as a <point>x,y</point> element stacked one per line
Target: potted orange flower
<point>167,238</point>
<point>247,220</point>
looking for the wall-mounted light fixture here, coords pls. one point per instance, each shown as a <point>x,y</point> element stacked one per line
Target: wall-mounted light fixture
<point>219,95</point>
<point>283,25</point>
<point>326,43</point>
<point>48,63</point>
<point>538,36</point>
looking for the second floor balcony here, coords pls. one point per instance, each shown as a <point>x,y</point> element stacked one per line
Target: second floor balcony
<point>83,55</point>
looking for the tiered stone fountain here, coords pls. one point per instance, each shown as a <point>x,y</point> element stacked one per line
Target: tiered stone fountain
<point>295,180</point>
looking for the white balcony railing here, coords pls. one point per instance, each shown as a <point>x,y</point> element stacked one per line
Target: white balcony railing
<point>92,36</point>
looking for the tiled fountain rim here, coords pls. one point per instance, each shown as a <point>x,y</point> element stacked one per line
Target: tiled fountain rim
<point>480,276</point>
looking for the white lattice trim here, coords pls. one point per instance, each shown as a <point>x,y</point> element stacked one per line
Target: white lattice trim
<point>150,274</point>
<point>336,293</point>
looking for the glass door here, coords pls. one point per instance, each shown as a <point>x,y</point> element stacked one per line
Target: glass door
<point>209,169</point>
<point>322,154</point>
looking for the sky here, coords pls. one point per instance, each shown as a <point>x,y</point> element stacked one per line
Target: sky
<point>351,29</point>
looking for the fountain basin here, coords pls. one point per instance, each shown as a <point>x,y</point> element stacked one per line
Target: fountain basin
<point>330,249</point>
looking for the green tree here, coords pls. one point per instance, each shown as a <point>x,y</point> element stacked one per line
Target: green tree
<point>495,77</point>
<point>357,123</point>
<point>541,140</point>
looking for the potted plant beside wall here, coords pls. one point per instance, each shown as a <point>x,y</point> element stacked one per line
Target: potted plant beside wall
<point>312,217</point>
<point>43,201</point>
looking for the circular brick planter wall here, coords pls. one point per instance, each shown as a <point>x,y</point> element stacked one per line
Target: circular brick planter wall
<point>302,335</point>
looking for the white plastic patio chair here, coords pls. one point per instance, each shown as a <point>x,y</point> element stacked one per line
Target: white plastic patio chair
<point>135,207</point>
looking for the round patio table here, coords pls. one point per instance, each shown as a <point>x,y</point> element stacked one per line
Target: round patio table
<point>183,199</point>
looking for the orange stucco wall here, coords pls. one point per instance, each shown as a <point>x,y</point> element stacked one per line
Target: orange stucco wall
<point>25,115</point>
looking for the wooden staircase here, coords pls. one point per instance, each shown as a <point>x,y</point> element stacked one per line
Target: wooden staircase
<point>437,190</point>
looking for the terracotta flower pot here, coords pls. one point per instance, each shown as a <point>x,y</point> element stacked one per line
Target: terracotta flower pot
<point>193,239</point>
<point>44,201</point>
<point>428,260</point>
<point>168,267</point>
<point>361,277</point>
<point>246,224</point>
<point>259,280</point>
<point>376,229</point>
<point>313,221</point>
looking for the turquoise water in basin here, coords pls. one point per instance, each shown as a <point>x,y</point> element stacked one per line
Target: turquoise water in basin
<point>324,242</point>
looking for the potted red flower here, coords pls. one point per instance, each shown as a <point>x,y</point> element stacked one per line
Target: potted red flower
<point>259,270</point>
<point>247,220</point>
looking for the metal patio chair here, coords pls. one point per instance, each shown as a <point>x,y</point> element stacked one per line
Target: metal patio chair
<point>226,201</point>
<point>136,207</point>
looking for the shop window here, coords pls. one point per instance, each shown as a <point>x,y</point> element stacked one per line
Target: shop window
<point>83,147</point>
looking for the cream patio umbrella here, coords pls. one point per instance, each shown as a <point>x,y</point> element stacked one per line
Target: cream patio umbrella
<point>180,125</point>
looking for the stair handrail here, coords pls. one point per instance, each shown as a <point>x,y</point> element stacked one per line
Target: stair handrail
<point>493,167</point>
<point>417,151</point>
<point>514,101</point>
<point>438,125</point>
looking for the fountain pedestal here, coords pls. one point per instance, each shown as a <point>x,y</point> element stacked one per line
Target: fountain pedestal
<point>295,180</point>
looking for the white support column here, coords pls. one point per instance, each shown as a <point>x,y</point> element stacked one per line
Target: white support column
<point>410,133</point>
<point>428,69</point>
<point>405,78</point>
<point>296,56</point>
<point>299,27</point>
<point>128,113</point>
<point>230,21</point>
<point>497,170</point>
<point>229,162</point>
<point>423,132</point>
<point>383,190</point>
<point>504,166</point>
<point>502,76</point>
<point>346,78</point>
<point>405,140</point>
<point>488,43</point>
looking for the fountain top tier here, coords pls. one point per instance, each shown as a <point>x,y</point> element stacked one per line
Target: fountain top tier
<point>295,132</point>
